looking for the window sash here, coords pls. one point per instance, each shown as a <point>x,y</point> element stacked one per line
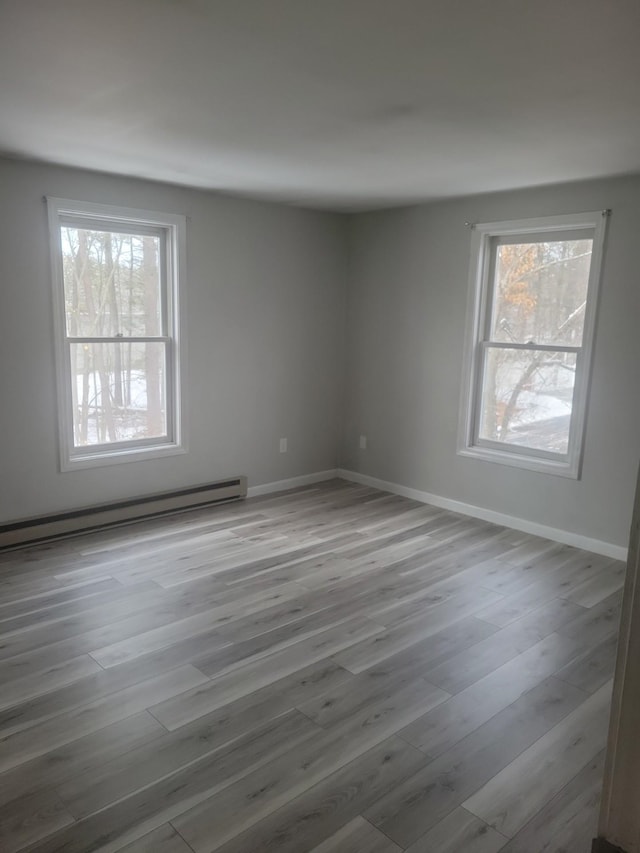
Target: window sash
<point>491,260</point>
<point>84,450</point>
<point>165,257</point>
<point>511,447</point>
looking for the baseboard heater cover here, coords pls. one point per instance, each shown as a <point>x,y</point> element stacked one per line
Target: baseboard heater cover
<point>29,530</point>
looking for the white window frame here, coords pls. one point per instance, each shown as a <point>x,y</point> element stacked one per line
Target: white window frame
<point>477,340</point>
<point>172,229</point>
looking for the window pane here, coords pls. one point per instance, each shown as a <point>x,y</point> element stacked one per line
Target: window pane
<point>527,398</point>
<point>119,392</point>
<point>540,292</point>
<point>111,283</point>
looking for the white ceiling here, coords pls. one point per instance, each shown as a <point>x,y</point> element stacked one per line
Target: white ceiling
<point>333,103</point>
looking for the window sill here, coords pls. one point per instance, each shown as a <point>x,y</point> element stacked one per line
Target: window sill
<point>117,457</point>
<point>569,469</point>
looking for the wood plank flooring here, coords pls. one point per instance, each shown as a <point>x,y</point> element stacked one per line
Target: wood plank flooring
<point>328,670</point>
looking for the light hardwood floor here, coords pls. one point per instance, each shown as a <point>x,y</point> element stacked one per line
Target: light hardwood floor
<point>333,669</point>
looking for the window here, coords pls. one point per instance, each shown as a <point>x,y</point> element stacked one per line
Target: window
<point>116,273</point>
<point>529,340</point>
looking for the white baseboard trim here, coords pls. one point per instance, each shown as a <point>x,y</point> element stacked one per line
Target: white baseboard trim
<point>597,546</point>
<point>292,483</point>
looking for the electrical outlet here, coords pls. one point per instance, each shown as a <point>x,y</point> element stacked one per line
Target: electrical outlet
<point>363,442</point>
<point>283,445</point>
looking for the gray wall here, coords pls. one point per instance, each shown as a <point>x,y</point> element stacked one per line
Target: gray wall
<point>265,327</point>
<point>267,356</point>
<point>406,319</point>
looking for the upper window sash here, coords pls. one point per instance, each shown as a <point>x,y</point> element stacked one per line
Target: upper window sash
<point>83,226</point>
<point>561,254</point>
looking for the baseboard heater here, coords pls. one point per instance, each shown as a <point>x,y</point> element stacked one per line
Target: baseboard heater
<point>29,530</point>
